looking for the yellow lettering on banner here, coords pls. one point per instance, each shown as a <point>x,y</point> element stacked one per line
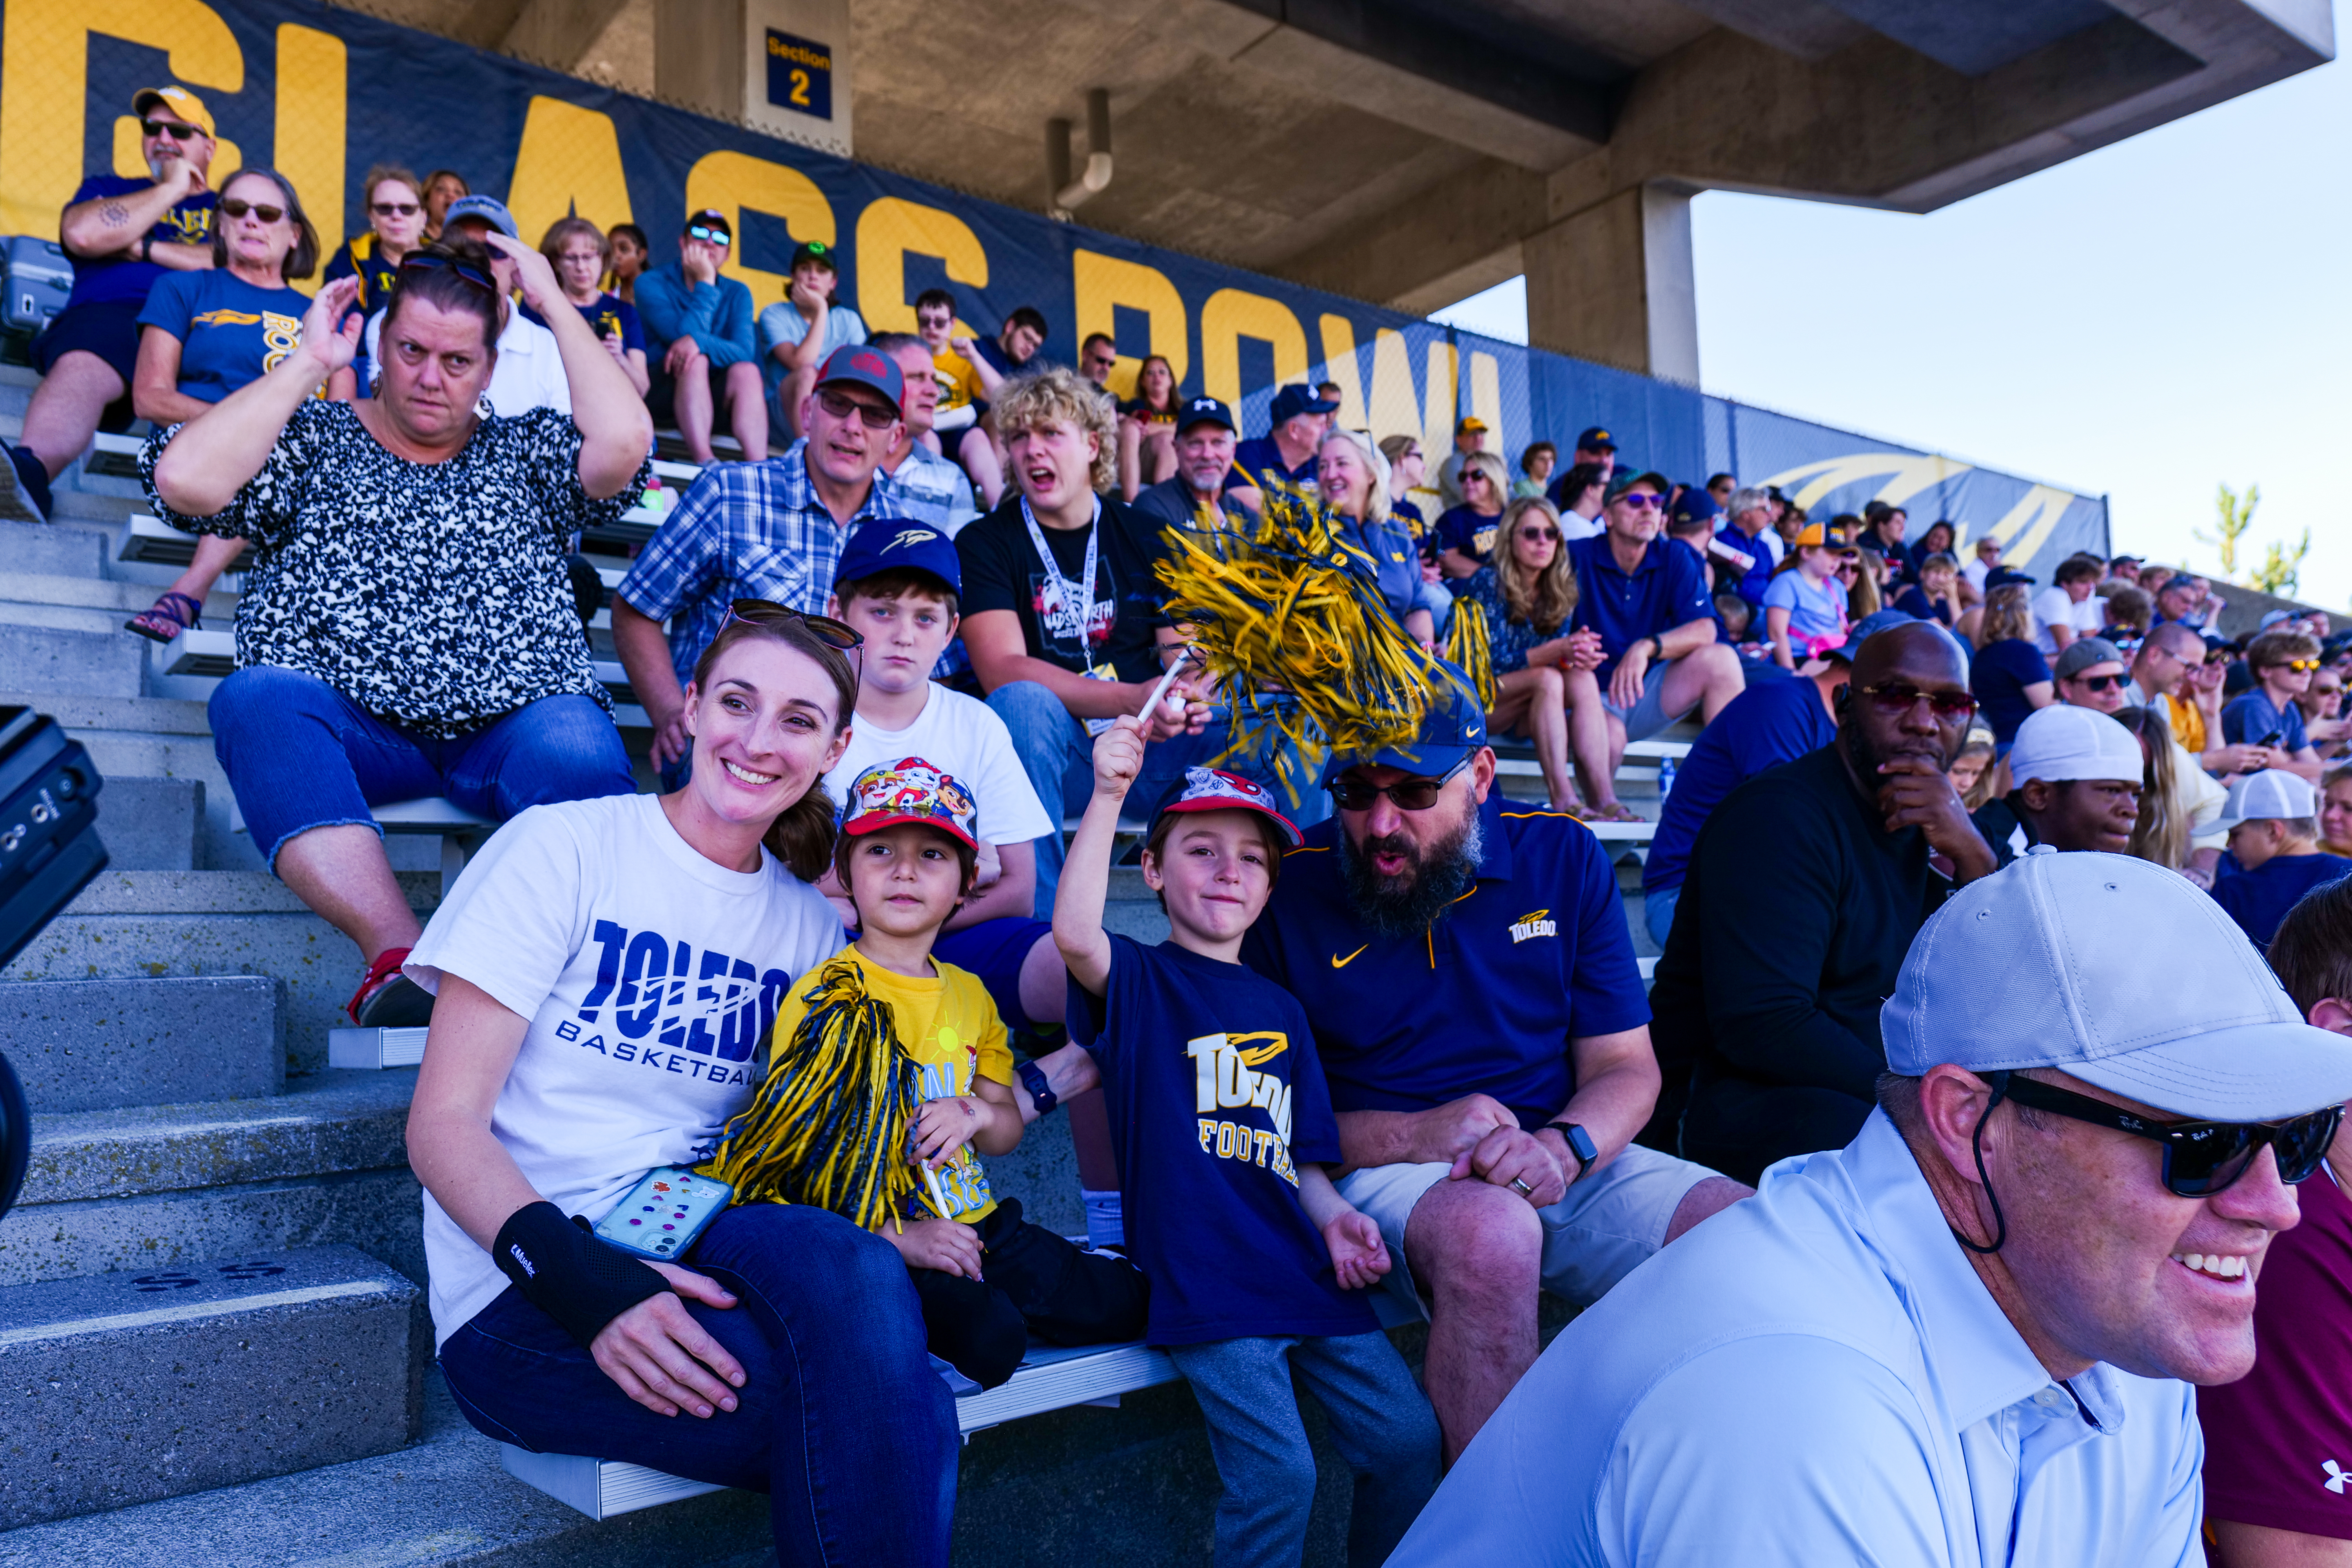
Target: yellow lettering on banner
<point>1486,402</point>
<point>1395,411</point>
<point>1102,283</point>
<point>888,230</point>
<point>1437,402</point>
<point>569,162</point>
<point>45,77</point>
<point>1339,365</point>
<point>732,181</point>
<point>311,79</point>
<point>1233,314</point>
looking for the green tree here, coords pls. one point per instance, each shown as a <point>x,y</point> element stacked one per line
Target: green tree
<point>2234,515</point>
<point>2280,571</point>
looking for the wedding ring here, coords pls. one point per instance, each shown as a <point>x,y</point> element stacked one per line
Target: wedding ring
<point>1525,1191</point>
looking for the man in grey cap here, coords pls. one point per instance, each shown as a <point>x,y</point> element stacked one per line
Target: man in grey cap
<point>2090,674</point>
<point>2076,781</point>
<point>1970,1336</point>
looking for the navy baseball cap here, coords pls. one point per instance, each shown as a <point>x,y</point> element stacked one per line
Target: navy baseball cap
<point>1869,627</point>
<point>898,544</point>
<point>1696,506</point>
<point>1596,439</point>
<point>1295,400</point>
<point>2003,576</point>
<point>867,367</point>
<point>1454,730</point>
<point>1206,411</point>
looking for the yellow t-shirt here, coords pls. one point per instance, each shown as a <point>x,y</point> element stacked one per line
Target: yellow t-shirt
<point>2187,725</point>
<point>951,1029</point>
<point>959,382</point>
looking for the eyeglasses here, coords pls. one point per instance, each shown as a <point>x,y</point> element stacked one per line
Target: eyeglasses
<point>1352,794</point>
<point>2200,1158</point>
<point>1901,695</point>
<point>2100,682</point>
<point>425,261</point>
<point>718,237</point>
<point>1640,501</point>
<point>1538,533</point>
<point>841,405</point>
<point>236,207</point>
<point>764,613</point>
<point>394,209</point>
<point>172,128</point>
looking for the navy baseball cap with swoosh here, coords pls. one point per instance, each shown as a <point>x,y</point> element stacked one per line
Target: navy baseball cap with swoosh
<point>1454,730</point>
<point>898,544</point>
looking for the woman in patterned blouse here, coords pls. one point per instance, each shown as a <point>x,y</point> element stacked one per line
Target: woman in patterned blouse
<point>1547,689</point>
<point>408,626</point>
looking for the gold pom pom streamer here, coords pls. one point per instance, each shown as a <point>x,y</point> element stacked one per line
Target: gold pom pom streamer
<point>1287,615</point>
<point>1467,650</point>
<point>829,1126</point>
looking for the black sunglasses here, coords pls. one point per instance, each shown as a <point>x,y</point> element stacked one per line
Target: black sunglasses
<point>1352,794</point>
<point>2101,682</point>
<point>237,207</point>
<point>1900,696</point>
<point>425,261</point>
<point>2200,1158</point>
<point>841,405</point>
<point>394,209</point>
<point>172,128</point>
<point>764,613</point>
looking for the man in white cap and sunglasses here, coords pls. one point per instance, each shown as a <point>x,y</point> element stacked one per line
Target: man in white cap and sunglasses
<point>1971,1336</point>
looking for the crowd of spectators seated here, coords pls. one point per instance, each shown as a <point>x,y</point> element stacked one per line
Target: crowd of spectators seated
<point>955,545</point>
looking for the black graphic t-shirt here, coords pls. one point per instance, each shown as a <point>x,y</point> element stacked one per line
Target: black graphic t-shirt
<point>1001,572</point>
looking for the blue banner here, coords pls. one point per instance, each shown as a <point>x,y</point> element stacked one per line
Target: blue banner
<point>321,94</point>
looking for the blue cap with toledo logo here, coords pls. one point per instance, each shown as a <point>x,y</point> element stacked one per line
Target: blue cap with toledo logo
<point>1454,728</point>
<point>1694,505</point>
<point>2090,950</point>
<point>897,543</point>
<point>1295,400</point>
<point>1596,439</point>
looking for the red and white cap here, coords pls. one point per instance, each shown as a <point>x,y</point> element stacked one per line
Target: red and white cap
<point>1214,789</point>
<point>909,790</point>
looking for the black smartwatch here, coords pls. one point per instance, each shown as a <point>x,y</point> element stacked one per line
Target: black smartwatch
<point>1579,1143</point>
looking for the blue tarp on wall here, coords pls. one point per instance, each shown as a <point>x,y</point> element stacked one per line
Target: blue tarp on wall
<point>321,94</point>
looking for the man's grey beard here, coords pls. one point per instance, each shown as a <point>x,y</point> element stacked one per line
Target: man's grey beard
<point>1410,905</point>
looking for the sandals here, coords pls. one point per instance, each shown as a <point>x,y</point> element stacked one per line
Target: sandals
<point>1615,811</point>
<point>170,616</point>
<point>387,998</point>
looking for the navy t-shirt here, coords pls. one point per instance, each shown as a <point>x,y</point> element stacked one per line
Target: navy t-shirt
<point>2251,715</point>
<point>1215,1096</point>
<point>1261,458</point>
<point>1666,588</point>
<point>1766,725</point>
<point>1470,532</point>
<point>231,331</point>
<point>2258,900</point>
<point>1999,676</point>
<point>608,315</point>
<point>122,276</point>
<point>1486,1001</point>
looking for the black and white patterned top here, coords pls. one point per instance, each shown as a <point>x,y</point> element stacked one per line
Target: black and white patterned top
<point>433,594</point>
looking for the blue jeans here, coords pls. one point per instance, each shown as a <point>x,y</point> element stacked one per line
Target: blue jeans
<point>1658,913</point>
<point>299,754</point>
<point>1057,754</point>
<point>1379,1421</point>
<point>841,1420</point>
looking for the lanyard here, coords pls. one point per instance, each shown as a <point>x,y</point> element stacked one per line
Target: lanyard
<point>1067,606</point>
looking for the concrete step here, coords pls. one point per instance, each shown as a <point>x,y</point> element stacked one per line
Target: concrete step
<point>133,924</point>
<point>152,1185</point>
<point>126,1387</point>
<point>442,1500</point>
<point>46,550</point>
<point>100,1044</point>
<point>157,737</point>
<point>116,601</point>
<point>49,661</point>
<point>151,825</point>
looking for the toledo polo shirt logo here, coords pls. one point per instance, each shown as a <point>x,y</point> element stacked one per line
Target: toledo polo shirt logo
<point>1538,924</point>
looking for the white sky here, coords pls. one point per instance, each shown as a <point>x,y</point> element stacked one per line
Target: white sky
<point>2150,321</point>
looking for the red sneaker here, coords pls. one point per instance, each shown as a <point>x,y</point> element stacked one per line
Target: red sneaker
<point>387,999</point>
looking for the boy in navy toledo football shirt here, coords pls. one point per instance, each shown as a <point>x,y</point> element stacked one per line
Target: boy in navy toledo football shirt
<point>1222,1126</point>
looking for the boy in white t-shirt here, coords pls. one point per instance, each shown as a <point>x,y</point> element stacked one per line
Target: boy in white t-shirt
<point>897,582</point>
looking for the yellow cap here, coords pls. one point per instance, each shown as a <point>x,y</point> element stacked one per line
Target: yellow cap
<point>1473,426</point>
<point>180,101</point>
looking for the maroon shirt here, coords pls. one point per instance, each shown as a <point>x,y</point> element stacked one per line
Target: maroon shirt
<point>2278,1443</point>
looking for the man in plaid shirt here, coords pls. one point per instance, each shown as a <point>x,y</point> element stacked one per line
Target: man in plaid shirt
<point>772,531</point>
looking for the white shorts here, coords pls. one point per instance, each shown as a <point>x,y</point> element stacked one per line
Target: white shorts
<point>1609,1222</point>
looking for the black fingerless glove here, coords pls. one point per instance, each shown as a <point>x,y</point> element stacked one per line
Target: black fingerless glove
<point>563,1270</point>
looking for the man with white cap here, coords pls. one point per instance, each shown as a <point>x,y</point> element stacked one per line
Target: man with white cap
<point>2273,819</point>
<point>1968,1336</point>
<point>2075,776</point>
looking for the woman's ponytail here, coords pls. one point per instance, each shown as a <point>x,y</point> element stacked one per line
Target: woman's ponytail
<point>802,836</point>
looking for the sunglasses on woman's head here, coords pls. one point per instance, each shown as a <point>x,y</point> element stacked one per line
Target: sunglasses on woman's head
<point>394,209</point>
<point>236,207</point>
<point>172,128</point>
<point>2200,1158</point>
<point>764,613</point>
<point>425,261</point>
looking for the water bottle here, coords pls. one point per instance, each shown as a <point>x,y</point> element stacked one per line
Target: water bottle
<point>1666,777</point>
